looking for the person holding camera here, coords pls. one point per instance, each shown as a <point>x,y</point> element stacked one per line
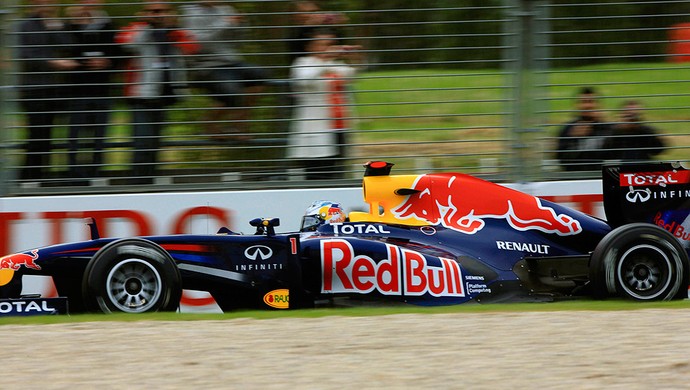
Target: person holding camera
<point>155,78</point>
<point>631,139</point>
<point>580,141</point>
<point>308,17</point>
<point>321,116</point>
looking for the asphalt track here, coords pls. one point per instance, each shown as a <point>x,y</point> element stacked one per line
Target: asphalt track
<point>634,349</point>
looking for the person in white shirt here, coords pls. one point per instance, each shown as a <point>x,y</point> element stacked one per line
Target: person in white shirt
<point>322,109</point>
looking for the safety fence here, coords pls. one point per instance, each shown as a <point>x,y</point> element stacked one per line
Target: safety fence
<point>158,96</point>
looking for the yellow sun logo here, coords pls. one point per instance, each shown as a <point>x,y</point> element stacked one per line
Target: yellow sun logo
<point>6,276</point>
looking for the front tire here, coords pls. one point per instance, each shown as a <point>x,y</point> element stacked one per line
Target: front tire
<point>132,276</point>
<point>640,262</point>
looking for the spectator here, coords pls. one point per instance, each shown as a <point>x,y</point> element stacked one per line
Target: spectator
<point>155,78</point>
<point>308,17</point>
<point>220,69</point>
<point>581,140</point>
<point>93,36</point>
<point>319,124</point>
<point>43,61</point>
<point>631,139</point>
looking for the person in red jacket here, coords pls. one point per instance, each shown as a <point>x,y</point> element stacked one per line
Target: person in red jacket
<point>155,78</point>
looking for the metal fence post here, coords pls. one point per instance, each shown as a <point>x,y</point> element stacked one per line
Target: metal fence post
<point>4,100</point>
<point>525,60</point>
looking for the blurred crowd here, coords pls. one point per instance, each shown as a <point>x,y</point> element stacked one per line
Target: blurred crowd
<point>591,138</point>
<point>69,55</point>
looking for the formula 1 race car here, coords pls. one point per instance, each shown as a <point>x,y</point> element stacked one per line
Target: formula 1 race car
<point>430,239</point>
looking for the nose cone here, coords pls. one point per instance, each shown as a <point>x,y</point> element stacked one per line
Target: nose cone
<point>6,276</point>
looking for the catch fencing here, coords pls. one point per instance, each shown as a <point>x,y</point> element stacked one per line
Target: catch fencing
<point>482,87</point>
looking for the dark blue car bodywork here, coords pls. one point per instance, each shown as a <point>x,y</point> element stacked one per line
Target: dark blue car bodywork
<point>493,262</point>
<point>410,247</point>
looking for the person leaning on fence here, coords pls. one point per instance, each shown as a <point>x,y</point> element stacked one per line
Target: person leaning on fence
<point>155,78</point>
<point>42,52</point>
<point>220,69</point>
<point>631,139</point>
<point>317,137</point>
<point>580,141</point>
<point>93,35</point>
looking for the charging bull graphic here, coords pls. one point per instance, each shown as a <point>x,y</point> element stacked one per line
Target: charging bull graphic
<point>462,203</point>
<point>15,261</point>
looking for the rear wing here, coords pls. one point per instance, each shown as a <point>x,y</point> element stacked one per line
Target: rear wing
<point>657,193</point>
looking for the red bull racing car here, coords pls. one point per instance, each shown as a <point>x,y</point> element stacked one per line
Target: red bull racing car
<point>430,239</point>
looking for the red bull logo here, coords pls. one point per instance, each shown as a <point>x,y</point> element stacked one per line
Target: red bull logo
<point>13,262</point>
<point>403,272</point>
<point>463,203</point>
<point>332,214</point>
<point>674,227</point>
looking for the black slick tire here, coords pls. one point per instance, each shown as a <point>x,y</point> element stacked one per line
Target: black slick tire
<point>131,276</point>
<point>641,262</point>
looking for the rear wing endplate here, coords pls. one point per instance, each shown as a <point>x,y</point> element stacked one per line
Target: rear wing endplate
<point>657,193</point>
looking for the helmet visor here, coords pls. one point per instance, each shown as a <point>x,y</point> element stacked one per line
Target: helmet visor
<point>310,223</point>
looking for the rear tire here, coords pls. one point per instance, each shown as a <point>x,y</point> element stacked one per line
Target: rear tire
<point>132,276</point>
<point>640,262</point>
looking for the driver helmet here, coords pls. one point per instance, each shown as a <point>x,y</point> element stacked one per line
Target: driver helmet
<point>321,212</point>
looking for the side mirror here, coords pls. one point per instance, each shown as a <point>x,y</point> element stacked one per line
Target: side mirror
<point>265,225</point>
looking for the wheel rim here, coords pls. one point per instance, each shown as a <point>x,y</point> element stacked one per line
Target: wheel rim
<point>133,285</point>
<point>644,271</point>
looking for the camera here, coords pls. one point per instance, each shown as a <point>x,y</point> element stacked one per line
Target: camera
<point>631,117</point>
